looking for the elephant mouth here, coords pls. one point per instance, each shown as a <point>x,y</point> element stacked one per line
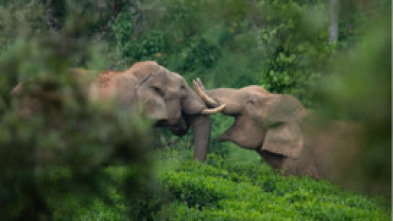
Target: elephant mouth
<point>178,128</point>
<point>227,134</point>
<point>244,133</point>
<point>160,123</point>
<point>178,131</point>
<point>224,136</point>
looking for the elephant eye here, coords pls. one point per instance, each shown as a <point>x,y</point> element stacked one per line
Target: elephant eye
<point>158,91</point>
<point>250,102</point>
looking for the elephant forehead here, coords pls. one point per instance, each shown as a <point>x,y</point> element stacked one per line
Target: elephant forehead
<point>249,93</point>
<point>174,81</point>
<point>255,90</point>
<point>176,78</point>
<point>145,65</point>
<point>141,70</point>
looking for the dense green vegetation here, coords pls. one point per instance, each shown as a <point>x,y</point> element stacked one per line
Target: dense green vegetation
<point>227,190</point>
<point>237,190</point>
<point>100,163</point>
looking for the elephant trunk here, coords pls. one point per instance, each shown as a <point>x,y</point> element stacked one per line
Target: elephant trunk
<point>201,128</point>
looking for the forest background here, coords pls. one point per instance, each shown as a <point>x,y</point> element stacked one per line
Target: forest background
<point>335,56</point>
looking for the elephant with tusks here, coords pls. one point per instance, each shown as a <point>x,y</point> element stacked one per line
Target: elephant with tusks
<point>290,138</point>
<point>164,96</point>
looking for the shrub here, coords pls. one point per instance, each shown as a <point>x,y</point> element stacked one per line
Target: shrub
<point>54,152</point>
<point>245,191</point>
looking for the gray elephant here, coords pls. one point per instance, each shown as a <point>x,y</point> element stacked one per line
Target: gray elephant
<point>163,95</point>
<point>288,136</point>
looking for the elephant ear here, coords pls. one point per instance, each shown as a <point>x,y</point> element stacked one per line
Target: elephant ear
<point>152,101</point>
<point>284,135</point>
<point>285,139</point>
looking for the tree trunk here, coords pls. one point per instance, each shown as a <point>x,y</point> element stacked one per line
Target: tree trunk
<point>117,7</point>
<point>333,20</point>
<point>50,18</point>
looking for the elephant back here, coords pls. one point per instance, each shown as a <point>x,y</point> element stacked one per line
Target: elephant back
<point>104,86</point>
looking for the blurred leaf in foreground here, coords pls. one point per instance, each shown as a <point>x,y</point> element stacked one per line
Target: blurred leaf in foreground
<point>360,89</point>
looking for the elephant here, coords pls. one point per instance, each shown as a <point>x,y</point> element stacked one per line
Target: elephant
<point>164,97</point>
<point>289,137</point>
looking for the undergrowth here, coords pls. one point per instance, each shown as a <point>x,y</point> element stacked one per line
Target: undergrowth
<point>223,189</point>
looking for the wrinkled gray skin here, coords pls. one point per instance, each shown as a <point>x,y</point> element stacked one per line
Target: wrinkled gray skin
<point>164,96</point>
<point>284,133</point>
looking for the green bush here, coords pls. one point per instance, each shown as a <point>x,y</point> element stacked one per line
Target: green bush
<point>295,44</point>
<point>59,151</point>
<point>227,190</point>
<point>359,88</point>
<point>55,148</point>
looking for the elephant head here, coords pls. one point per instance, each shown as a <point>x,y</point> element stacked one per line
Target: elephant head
<point>263,121</point>
<point>164,97</point>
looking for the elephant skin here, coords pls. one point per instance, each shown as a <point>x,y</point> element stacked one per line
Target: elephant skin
<point>289,137</point>
<point>164,96</point>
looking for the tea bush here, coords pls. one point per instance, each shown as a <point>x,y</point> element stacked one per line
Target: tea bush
<point>222,190</point>
<point>230,190</point>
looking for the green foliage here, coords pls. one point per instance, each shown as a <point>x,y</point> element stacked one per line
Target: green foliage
<point>59,151</point>
<point>296,49</point>
<point>360,88</point>
<point>264,42</point>
<point>84,161</point>
<point>232,190</point>
<point>55,144</point>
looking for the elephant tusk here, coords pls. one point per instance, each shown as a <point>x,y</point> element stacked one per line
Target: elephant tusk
<point>198,80</point>
<point>199,88</point>
<point>213,110</point>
